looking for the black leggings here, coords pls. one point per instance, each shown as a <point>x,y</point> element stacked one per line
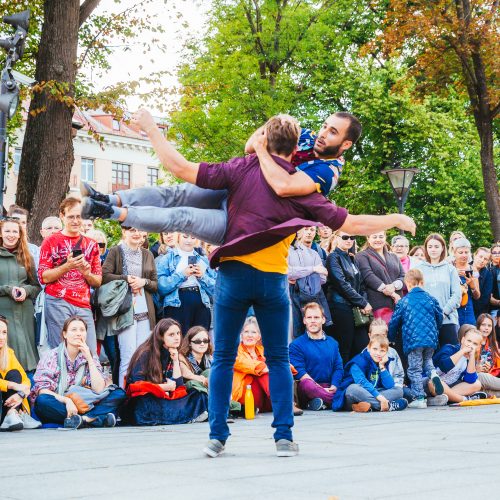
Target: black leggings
<point>11,376</point>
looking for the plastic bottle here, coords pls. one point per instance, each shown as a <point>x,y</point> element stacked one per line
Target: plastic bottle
<point>249,404</point>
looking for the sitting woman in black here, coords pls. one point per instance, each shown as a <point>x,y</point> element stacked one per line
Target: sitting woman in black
<point>155,386</point>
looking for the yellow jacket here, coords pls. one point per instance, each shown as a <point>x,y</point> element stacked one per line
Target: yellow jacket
<point>13,364</point>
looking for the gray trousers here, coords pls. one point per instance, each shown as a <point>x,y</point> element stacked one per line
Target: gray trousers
<point>419,365</point>
<point>489,382</point>
<point>182,207</point>
<point>57,311</point>
<point>356,394</point>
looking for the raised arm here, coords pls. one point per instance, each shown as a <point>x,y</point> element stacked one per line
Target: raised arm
<point>170,158</point>
<point>281,182</point>
<point>364,225</point>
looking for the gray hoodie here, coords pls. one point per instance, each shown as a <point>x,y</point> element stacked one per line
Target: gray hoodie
<point>442,282</point>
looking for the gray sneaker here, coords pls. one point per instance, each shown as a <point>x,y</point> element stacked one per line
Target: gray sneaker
<point>12,422</point>
<point>441,400</point>
<point>29,422</point>
<point>285,448</point>
<point>202,417</point>
<point>214,448</point>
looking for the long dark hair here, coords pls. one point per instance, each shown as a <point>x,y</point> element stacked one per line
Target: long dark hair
<point>492,337</point>
<point>185,348</point>
<point>148,354</point>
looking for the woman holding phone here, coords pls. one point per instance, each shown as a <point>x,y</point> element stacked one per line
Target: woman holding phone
<point>185,284</point>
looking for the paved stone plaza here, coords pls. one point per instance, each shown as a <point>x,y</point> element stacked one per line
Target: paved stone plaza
<point>438,453</point>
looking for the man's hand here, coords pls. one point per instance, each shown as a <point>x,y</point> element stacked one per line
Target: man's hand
<point>144,120</point>
<point>74,262</point>
<point>384,403</point>
<point>85,269</point>
<point>406,224</point>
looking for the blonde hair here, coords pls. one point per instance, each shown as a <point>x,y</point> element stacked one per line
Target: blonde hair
<point>414,277</point>
<point>282,133</point>
<point>378,323</point>
<point>381,340</point>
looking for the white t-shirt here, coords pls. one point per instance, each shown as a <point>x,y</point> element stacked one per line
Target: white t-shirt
<point>183,263</point>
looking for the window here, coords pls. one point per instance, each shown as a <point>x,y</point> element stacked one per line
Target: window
<point>116,125</point>
<point>87,170</point>
<point>17,160</point>
<point>152,176</point>
<point>121,176</point>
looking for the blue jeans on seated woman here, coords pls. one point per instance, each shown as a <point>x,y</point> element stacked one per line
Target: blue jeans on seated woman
<point>240,286</point>
<point>51,411</point>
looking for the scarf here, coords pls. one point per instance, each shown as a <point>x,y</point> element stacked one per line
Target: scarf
<point>197,369</point>
<point>62,384</point>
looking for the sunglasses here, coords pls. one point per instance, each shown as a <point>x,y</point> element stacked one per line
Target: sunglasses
<point>102,245</point>
<point>345,237</point>
<point>202,341</point>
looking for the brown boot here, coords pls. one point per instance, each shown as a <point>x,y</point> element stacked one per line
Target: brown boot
<point>362,407</point>
<point>297,412</point>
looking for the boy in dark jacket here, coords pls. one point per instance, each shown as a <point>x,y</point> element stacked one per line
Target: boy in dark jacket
<point>419,317</point>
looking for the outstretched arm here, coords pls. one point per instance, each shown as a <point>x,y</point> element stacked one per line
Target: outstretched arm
<point>170,158</point>
<point>281,182</point>
<point>364,225</point>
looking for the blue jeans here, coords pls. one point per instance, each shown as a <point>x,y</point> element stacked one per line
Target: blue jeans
<point>238,287</point>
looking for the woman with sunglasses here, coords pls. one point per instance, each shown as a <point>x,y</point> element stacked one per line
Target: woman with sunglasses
<point>130,262</point>
<point>18,288</point>
<point>344,293</point>
<point>196,350</point>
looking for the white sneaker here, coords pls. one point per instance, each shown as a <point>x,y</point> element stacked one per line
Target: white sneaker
<point>29,422</point>
<point>441,400</point>
<point>418,403</point>
<point>12,422</point>
<point>202,417</point>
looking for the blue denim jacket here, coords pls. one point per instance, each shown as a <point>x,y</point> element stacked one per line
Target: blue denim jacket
<point>169,280</point>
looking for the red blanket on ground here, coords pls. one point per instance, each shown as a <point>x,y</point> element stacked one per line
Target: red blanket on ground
<point>142,388</point>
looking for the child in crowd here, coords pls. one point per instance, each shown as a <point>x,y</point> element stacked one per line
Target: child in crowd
<point>456,366</point>
<point>367,384</point>
<point>419,317</point>
<point>394,365</point>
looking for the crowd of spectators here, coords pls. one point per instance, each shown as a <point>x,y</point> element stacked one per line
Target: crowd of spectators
<point>92,335</point>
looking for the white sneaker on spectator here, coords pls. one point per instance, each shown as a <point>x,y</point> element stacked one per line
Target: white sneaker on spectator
<point>438,400</point>
<point>29,422</point>
<point>12,422</point>
<point>418,403</point>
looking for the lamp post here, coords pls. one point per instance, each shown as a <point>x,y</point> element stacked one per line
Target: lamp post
<point>9,89</point>
<point>401,180</point>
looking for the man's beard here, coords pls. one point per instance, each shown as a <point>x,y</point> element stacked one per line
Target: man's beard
<point>329,152</point>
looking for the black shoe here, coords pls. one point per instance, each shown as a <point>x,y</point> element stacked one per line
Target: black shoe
<point>92,209</point>
<point>73,422</point>
<point>87,190</point>
<point>476,395</point>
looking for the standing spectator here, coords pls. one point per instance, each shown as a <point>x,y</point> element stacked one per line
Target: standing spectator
<point>401,247</point>
<point>306,274</point>
<point>469,281</point>
<point>166,243</point>
<point>382,275</point>
<point>18,288</point>
<point>344,293</point>
<point>325,238</point>
<point>455,235</point>
<point>185,285</point>
<point>418,316</point>
<point>495,271</point>
<point>418,254</point>
<point>50,225</point>
<point>485,277</point>
<point>102,241</point>
<point>130,262</point>
<point>442,282</point>
<point>21,215</point>
<point>317,360</point>
<point>87,225</point>
<point>69,266</point>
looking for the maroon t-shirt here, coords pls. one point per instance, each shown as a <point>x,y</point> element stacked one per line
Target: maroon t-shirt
<point>257,217</point>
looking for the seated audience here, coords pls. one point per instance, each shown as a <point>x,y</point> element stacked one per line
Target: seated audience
<point>155,386</point>
<point>488,363</point>
<point>14,388</point>
<point>317,360</point>
<point>418,317</point>
<point>367,384</point>
<point>456,367</point>
<point>70,388</point>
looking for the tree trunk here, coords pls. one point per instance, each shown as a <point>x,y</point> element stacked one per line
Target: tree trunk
<point>47,155</point>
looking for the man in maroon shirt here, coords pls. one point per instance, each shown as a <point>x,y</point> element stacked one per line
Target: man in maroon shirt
<point>69,266</point>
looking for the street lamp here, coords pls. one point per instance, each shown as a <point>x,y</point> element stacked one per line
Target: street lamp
<point>401,180</point>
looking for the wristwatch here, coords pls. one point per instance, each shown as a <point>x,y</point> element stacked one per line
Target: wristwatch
<point>147,282</point>
<point>21,394</point>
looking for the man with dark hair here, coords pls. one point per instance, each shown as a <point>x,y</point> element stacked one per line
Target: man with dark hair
<point>69,266</point>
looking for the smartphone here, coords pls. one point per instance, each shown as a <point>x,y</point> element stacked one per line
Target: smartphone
<point>77,252</point>
<point>468,274</point>
<point>18,293</point>
<point>192,259</point>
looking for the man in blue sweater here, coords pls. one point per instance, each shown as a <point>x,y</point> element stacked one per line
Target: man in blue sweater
<point>317,360</point>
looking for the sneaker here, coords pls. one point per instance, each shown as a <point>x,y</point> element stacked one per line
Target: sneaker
<point>87,190</point>
<point>398,404</point>
<point>29,422</point>
<point>73,422</point>
<point>476,395</point>
<point>92,209</point>
<point>12,422</point>
<point>438,400</point>
<point>297,412</point>
<point>316,404</point>
<point>202,417</point>
<point>213,448</point>
<point>109,420</point>
<point>362,407</point>
<point>285,448</point>
<point>436,382</point>
<point>420,402</point>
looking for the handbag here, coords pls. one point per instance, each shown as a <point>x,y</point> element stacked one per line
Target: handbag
<point>360,318</point>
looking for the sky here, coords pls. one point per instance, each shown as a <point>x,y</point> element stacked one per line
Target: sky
<point>126,61</point>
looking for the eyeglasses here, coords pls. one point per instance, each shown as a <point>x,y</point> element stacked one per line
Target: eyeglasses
<point>201,341</point>
<point>345,237</point>
<point>102,245</point>
<point>401,246</point>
